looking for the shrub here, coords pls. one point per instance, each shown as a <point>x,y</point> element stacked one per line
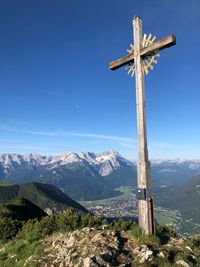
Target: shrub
<point>46,226</point>
<point>63,222</point>
<point>164,232</point>
<point>195,240</point>
<point>92,221</point>
<point>122,225</point>
<point>8,228</point>
<point>72,220</point>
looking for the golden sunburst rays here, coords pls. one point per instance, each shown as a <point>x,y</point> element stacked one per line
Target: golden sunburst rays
<point>148,62</point>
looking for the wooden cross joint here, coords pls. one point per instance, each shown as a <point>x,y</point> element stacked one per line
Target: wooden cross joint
<point>150,50</point>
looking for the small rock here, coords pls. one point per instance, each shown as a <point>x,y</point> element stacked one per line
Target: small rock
<point>105,226</point>
<point>13,256</point>
<point>182,263</point>
<point>161,255</point>
<point>172,239</point>
<point>143,247</point>
<point>84,251</point>
<point>2,249</point>
<point>96,238</point>
<point>179,241</point>
<point>189,248</point>
<point>71,242</point>
<point>113,233</point>
<point>98,261</point>
<point>136,250</point>
<point>87,262</point>
<point>62,264</point>
<point>86,229</point>
<point>27,260</point>
<point>49,211</point>
<point>150,259</point>
<point>145,253</point>
<point>142,261</point>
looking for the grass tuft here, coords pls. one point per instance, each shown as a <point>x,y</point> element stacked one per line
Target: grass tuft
<point>137,233</point>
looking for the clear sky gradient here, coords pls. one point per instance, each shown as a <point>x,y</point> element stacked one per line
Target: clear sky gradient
<point>58,94</point>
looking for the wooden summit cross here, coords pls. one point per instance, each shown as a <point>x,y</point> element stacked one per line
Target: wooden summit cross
<point>139,60</point>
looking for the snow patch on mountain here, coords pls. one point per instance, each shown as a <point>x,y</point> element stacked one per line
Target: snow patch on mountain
<point>194,165</point>
<point>175,161</point>
<point>100,163</point>
<point>89,163</point>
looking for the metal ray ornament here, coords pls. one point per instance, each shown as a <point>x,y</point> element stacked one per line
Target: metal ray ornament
<point>148,62</point>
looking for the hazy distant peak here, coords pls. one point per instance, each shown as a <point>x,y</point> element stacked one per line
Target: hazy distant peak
<point>88,155</point>
<point>70,157</point>
<point>108,153</point>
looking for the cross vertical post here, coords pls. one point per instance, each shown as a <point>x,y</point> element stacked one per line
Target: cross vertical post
<point>139,59</point>
<point>145,206</point>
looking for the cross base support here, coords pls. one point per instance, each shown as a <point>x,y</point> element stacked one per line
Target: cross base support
<point>146,216</point>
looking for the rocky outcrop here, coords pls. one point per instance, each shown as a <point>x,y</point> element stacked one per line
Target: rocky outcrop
<point>90,247</point>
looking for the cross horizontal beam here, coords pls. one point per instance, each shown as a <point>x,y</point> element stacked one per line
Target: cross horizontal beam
<point>168,41</point>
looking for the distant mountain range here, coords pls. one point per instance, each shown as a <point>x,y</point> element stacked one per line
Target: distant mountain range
<point>80,175</point>
<point>90,176</point>
<point>93,164</point>
<point>174,172</point>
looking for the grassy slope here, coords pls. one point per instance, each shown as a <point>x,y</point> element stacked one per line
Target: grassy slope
<point>4,183</point>
<point>42,195</point>
<point>21,209</point>
<point>8,192</point>
<point>46,195</point>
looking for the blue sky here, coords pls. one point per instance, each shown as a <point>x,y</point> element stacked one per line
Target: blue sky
<point>58,95</point>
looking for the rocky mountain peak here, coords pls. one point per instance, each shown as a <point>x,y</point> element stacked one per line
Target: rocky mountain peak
<point>102,163</point>
<point>109,153</point>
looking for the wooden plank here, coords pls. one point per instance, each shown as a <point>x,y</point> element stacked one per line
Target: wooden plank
<point>166,42</point>
<point>140,104</point>
<point>121,61</point>
<point>143,167</point>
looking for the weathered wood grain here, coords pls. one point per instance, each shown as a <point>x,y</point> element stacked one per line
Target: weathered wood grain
<point>166,42</point>
<point>145,219</point>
